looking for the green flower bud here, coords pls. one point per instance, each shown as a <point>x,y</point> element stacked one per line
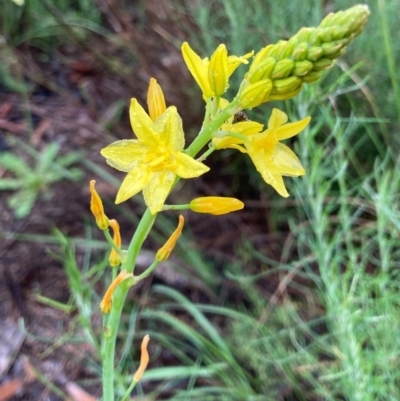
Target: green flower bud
<point>285,85</point>
<point>302,68</point>
<point>284,96</point>
<point>255,94</point>
<point>322,64</point>
<point>300,52</point>
<point>314,53</point>
<point>283,68</point>
<point>312,77</point>
<point>262,71</point>
<point>331,48</point>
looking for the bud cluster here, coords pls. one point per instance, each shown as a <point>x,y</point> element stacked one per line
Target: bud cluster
<point>278,71</point>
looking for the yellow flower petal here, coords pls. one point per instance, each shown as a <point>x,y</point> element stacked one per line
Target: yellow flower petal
<point>286,162</point>
<point>169,125</point>
<point>142,124</point>
<point>157,189</point>
<point>198,68</point>
<point>235,61</point>
<point>288,130</point>
<point>124,155</point>
<point>277,119</point>
<point>187,167</point>
<point>155,100</point>
<point>133,183</point>
<point>245,128</point>
<point>218,70</point>
<point>278,184</point>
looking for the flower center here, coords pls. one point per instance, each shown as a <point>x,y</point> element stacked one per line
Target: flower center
<point>160,159</point>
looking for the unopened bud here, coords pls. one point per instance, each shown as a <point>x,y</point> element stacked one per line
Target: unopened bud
<point>218,70</point>
<point>155,100</point>
<point>216,205</point>
<point>255,94</point>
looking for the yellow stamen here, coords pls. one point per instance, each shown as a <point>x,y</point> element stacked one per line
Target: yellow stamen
<point>164,252</point>
<point>96,206</point>
<point>105,304</point>
<point>144,359</point>
<point>114,258</point>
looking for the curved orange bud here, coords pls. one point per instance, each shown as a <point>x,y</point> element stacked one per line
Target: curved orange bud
<point>215,205</point>
<point>164,252</point>
<point>96,206</point>
<point>105,304</point>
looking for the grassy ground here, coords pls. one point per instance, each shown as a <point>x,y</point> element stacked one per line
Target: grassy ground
<point>293,299</point>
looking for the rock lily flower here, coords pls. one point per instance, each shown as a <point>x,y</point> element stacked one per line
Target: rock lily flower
<point>212,75</point>
<point>271,158</point>
<point>154,159</point>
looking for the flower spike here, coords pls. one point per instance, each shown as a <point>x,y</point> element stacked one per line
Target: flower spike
<point>105,304</point>
<point>114,258</point>
<point>285,66</point>
<point>164,252</point>
<point>215,205</point>
<point>96,206</point>
<point>144,359</point>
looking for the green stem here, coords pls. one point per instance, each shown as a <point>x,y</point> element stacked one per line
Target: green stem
<point>141,233</point>
<point>111,242</point>
<point>129,391</point>
<point>207,130</point>
<point>147,272</point>
<point>176,207</point>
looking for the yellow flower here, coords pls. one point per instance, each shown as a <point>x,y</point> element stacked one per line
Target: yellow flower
<point>215,205</point>
<point>154,159</point>
<point>273,159</point>
<point>213,75</point>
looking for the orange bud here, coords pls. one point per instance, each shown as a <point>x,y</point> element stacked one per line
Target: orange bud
<point>164,252</point>
<point>105,304</point>
<point>114,258</point>
<point>144,359</point>
<point>215,205</point>
<point>155,100</point>
<point>96,206</point>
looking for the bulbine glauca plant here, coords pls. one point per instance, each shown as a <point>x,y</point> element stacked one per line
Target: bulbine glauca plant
<point>157,159</point>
